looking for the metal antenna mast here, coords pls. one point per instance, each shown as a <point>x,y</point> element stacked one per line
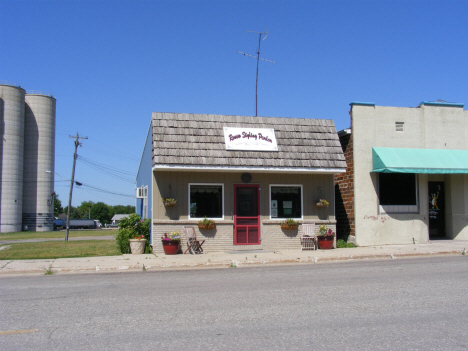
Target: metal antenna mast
<point>258,59</point>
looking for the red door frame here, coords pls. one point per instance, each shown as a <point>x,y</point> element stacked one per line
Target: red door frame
<point>248,226</point>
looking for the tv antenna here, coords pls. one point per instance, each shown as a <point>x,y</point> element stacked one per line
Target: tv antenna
<point>258,59</point>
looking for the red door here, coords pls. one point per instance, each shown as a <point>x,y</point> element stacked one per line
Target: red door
<point>246,214</point>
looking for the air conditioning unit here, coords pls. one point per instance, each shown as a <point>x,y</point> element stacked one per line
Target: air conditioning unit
<point>142,192</point>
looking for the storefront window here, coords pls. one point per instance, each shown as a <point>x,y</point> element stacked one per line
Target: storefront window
<point>206,200</point>
<point>286,201</point>
<point>397,189</point>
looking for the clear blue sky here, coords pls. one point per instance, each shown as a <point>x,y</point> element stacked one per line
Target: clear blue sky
<point>110,64</point>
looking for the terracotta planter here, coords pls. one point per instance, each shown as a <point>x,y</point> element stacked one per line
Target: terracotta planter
<point>319,204</point>
<point>137,246</point>
<point>170,204</point>
<point>206,227</point>
<point>171,247</point>
<point>325,242</point>
<point>288,227</point>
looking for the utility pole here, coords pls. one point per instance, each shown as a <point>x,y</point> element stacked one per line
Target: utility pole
<point>77,143</point>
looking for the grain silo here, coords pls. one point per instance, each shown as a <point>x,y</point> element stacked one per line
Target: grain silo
<point>12,100</point>
<point>39,157</point>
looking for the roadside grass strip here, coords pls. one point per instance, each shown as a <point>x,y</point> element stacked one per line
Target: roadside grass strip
<point>56,234</point>
<point>24,331</point>
<point>60,249</point>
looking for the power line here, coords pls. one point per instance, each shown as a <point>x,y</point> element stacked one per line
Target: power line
<point>110,150</point>
<point>105,166</point>
<point>106,191</point>
<point>114,172</point>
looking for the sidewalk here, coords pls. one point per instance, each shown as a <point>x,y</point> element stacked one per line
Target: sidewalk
<point>161,262</point>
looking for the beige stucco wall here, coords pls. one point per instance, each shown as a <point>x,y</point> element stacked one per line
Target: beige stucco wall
<point>426,127</point>
<point>273,237</point>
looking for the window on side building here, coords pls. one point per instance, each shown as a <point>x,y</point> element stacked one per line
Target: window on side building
<point>206,200</point>
<point>286,201</point>
<point>398,192</point>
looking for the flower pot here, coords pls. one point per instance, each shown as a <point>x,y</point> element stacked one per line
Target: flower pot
<point>206,226</point>
<point>325,242</point>
<point>171,247</point>
<point>319,204</point>
<point>137,246</point>
<point>288,226</point>
<point>170,203</point>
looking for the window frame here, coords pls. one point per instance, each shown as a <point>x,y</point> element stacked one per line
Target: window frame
<point>222,200</point>
<point>287,186</point>
<point>400,208</point>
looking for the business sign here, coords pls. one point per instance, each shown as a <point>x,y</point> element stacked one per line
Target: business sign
<point>250,139</point>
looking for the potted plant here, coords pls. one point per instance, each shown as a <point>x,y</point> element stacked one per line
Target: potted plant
<point>325,238</point>
<point>171,243</point>
<point>169,202</point>
<point>289,224</point>
<point>133,228</point>
<point>206,224</point>
<point>321,203</point>
<point>137,245</point>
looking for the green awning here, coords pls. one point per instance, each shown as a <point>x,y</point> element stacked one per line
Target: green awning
<point>434,161</point>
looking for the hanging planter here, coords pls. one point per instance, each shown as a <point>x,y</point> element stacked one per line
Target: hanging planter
<point>169,202</point>
<point>321,203</point>
<point>289,224</point>
<point>206,224</point>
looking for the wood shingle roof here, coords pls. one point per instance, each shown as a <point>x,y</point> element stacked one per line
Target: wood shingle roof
<point>198,140</point>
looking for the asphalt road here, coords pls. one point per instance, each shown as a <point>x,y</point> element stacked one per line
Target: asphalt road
<point>403,304</point>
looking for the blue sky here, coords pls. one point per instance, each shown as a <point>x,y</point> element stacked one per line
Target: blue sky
<point>110,64</point>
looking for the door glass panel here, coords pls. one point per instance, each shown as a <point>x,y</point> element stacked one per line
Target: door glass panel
<point>436,210</point>
<point>247,205</point>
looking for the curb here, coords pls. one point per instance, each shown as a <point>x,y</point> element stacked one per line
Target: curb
<point>222,264</point>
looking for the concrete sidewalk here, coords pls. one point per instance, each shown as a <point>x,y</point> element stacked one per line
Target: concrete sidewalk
<point>161,262</point>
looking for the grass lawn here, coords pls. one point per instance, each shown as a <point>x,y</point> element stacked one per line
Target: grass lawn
<point>57,234</point>
<point>59,249</point>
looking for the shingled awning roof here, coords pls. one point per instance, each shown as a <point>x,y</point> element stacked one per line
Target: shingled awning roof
<point>196,141</point>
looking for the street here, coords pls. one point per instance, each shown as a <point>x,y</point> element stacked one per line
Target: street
<point>401,304</point>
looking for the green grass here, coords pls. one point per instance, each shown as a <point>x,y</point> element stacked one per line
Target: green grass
<point>59,249</point>
<point>48,271</point>
<point>56,234</point>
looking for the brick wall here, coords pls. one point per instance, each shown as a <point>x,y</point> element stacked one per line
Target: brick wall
<point>222,237</point>
<point>344,192</point>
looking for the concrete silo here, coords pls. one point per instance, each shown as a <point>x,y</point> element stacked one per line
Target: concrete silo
<point>39,157</point>
<point>11,157</point>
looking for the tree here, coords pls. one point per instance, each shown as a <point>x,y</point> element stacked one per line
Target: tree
<point>85,209</point>
<point>58,209</point>
<point>121,209</point>
<point>102,212</point>
<point>74,213</point>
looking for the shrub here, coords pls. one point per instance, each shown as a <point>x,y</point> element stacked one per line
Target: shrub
<point>131,227</point>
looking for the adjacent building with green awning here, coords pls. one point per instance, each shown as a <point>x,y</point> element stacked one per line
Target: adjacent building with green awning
<point>429,161</point>
<point>406,180</point>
